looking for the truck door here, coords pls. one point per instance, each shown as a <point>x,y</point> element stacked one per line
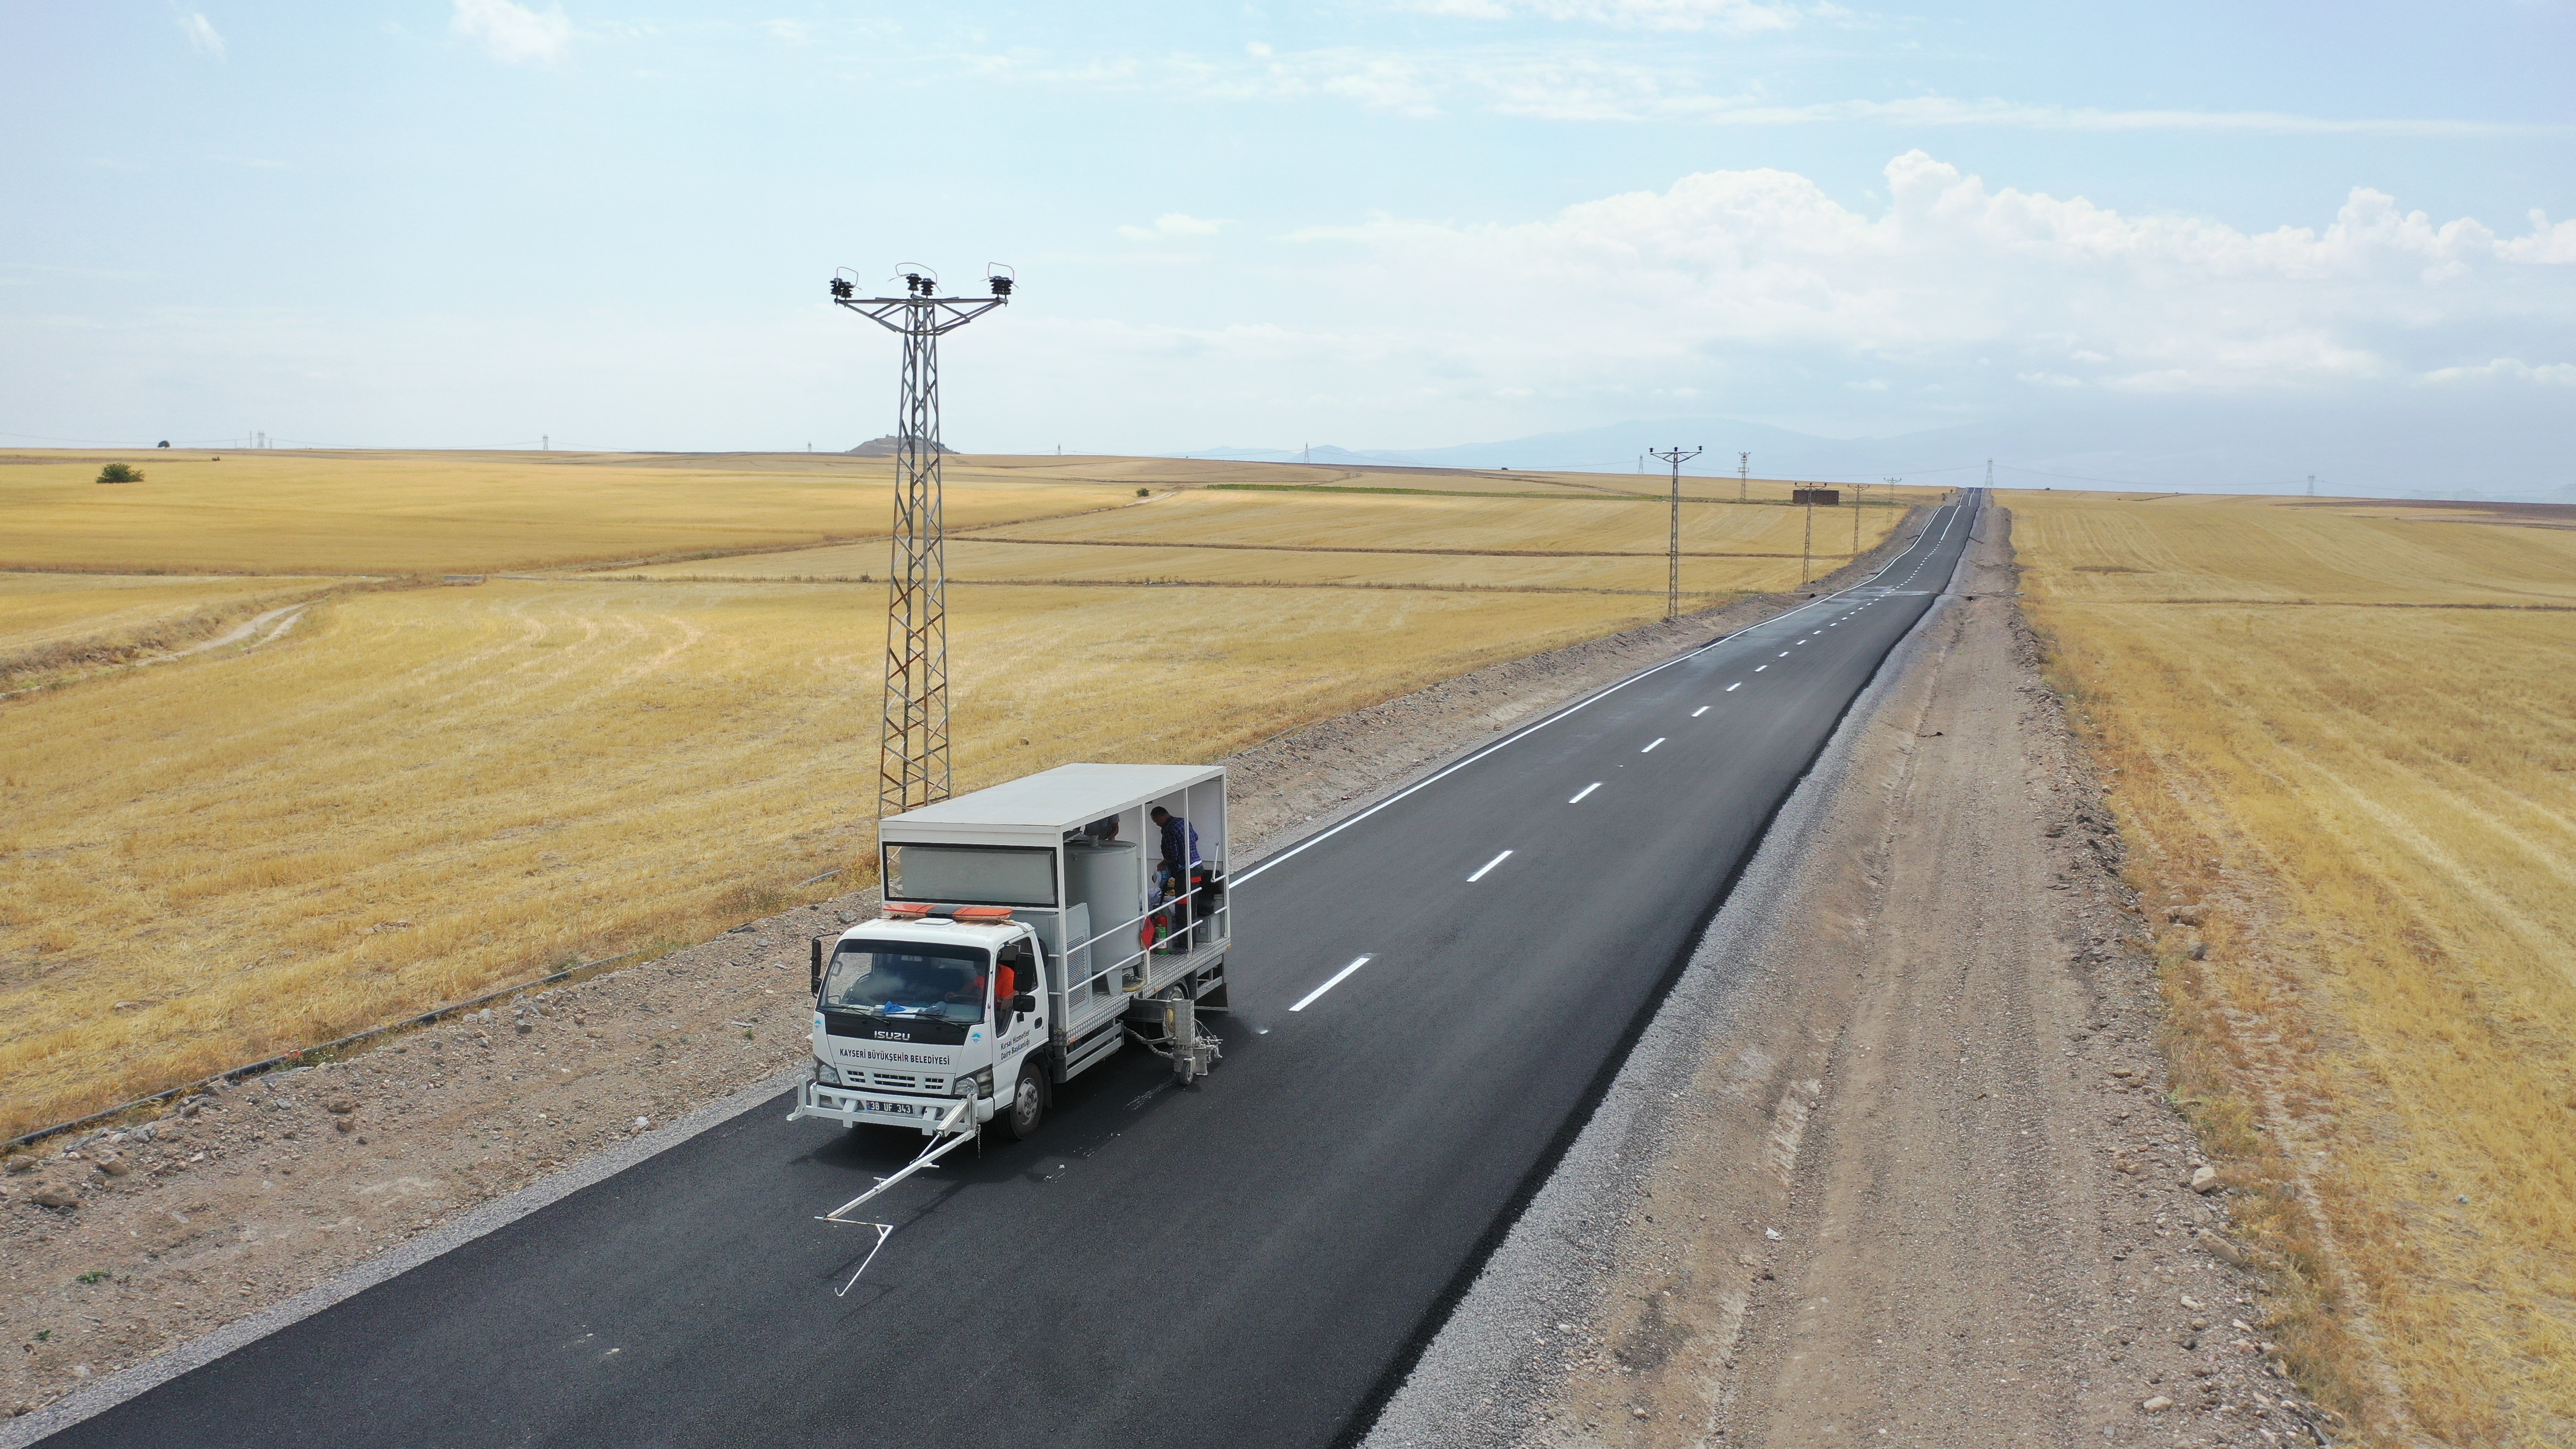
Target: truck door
<point>1015,1029</point>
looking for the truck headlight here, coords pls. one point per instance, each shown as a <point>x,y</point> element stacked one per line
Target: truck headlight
<point>978,1085</point>
<point>826,1072</point>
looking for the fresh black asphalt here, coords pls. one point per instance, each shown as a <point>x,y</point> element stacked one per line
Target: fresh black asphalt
<point>1248,1261</point>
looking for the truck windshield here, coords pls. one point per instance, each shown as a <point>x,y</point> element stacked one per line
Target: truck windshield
<point>908,978</point>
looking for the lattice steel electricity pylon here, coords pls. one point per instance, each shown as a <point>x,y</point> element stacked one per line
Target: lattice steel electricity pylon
<point>912,740</point>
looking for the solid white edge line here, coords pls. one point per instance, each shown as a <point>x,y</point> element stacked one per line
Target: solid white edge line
<point>1578,707</point>
<point>1488,865</point>
<point>1586,790</point>
<point>1650,749</point>
<point>1309,998</point>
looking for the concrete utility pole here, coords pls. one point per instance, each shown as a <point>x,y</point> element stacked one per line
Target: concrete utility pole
<point>2312,485</point>
<point>912,739</point>
<point>1807,550</point>
<point>1743,475</point>
<point>1990,474</point>
<point>1673,562</point>
<point>1891,493</point>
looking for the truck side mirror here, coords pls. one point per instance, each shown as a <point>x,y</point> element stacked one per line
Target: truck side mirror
<point>814,978</point>
<point>1026,1003</point>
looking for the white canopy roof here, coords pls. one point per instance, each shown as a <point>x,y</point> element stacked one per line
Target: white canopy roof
<point>1064,798</point>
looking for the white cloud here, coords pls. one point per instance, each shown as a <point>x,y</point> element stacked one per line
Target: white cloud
<point>1645,82</point>
<point>514,33</point>
<point>1951,111</point>
<point>787,30</point>
<point>203,38</point>
<point>1172,224</point>
<point>2507,369</point>
<point>1741,16</point>
<point>1749,281</point>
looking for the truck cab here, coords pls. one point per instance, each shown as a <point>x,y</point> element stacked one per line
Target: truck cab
<point>911,1016</point>
<point>1030,930</point>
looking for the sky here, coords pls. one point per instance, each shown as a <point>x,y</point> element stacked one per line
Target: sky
<point>2286,230</point>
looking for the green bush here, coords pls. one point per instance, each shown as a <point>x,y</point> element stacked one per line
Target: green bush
<point>120,473</point>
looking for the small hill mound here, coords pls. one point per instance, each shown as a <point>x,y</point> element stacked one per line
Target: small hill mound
<point>888,446</point>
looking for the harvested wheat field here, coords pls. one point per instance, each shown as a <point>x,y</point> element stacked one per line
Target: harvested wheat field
<point>1220,535</point>
<point>2345,738</point>
<point>427,513</point>
<point>422,790</point>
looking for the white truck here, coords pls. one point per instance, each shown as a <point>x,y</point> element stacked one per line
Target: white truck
<point>1029,931</point>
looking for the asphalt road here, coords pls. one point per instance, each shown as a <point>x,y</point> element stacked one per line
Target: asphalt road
<point>1248,1261</point>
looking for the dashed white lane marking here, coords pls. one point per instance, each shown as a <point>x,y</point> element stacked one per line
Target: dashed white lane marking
<point>1784,653</point>
<point>1488,865</point>
<point>1650,749</point>
<point>1758,668</point>
<point>1586,790</point>
<point>1739,684</point>
<point>1703,709</point>
<point>1338,978</point>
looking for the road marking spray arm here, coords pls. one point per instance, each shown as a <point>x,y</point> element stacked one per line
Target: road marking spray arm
<point>949,1137</point>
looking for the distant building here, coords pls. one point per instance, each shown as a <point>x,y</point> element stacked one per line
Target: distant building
<point>888,446</point>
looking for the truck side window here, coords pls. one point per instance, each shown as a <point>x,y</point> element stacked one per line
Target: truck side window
<point>1022,964</point>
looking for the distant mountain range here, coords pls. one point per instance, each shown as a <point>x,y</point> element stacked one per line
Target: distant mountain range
<point>2411,447</point>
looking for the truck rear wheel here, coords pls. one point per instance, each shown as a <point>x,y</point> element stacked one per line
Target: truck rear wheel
<point>1027,1106</point>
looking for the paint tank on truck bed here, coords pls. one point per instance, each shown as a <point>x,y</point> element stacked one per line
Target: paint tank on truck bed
<point>1030,931</point>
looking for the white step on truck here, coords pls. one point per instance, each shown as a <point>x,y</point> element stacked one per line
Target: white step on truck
<point>1029,931</point>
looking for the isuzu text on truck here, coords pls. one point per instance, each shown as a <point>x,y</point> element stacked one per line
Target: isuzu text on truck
<point>1030,930</point>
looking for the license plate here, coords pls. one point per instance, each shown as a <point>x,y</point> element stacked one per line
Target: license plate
<point>899,1109</point>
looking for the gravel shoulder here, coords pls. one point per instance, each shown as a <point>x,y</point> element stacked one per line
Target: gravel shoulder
<point>1895,1162</point>
<point>133,1254</point>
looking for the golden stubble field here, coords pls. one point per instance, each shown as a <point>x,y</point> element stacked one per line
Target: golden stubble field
<point>432,513</point>
<point>1352,539</point>
<point>2349,731</point>
<point>426,789</point>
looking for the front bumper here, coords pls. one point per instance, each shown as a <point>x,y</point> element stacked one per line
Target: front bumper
<point>861,1106</point>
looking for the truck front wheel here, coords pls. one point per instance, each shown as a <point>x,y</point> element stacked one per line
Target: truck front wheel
<point>1028,1105</point>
